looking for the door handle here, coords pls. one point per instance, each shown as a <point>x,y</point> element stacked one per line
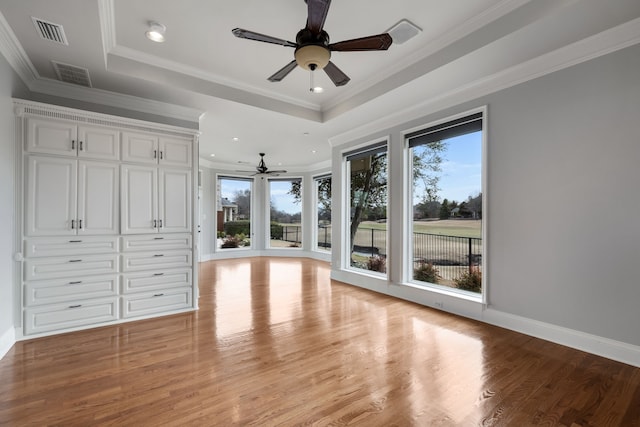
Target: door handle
<point>73,224</point>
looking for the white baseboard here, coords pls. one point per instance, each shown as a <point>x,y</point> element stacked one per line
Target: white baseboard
<point>594,344</point>
<point>7,340</point>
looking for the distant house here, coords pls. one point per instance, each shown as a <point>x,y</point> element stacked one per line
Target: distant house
<point>228,212</point>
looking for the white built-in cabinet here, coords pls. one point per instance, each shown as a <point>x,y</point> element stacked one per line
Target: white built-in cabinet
<point>68,197</point>
<point>107,219</point>
<point>156,199</point>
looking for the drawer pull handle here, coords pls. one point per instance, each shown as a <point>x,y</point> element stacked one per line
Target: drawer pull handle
<point>158,295</point>
<point>75,241</point>
<point>80,224</point>
<point>75,283</point>
<point>155,224</point>
<point>75,260</point>
<point>160,222</point>
<point>158,255</point>
<point>75,306</point>
<point>80,142</point>
<point>158,274</point>
<point>73,224</point>
<point>73,144</point>
<point>158,238</point>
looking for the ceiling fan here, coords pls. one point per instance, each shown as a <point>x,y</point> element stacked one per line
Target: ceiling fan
<point>262,168</point>
<point>312,47</point>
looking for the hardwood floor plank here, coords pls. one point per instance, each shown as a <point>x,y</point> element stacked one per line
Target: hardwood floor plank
<point>276,342</point>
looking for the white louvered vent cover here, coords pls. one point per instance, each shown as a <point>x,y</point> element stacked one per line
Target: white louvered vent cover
<point>72,74</point>
<point>50,31</point>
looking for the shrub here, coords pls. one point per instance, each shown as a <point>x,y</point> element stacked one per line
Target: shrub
<point>276,230</point>
<point>221,234</point>
<point>232,228</point>
<point>470,280</point>
<point>377,263</point>
<point>426,272</point>
<point>230,242</point>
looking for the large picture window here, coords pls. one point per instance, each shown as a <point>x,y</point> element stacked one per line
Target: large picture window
<point>285,213</point>
<point>446,202</point>
<point>234,212</point>
<point>323,212</point>
<point>367,183</point>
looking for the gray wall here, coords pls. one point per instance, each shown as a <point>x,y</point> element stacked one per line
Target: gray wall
<point>563,180</point>
<point>10,86</point>
<point>563,176</point>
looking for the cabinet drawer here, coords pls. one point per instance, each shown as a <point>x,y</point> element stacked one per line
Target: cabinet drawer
<point>156,302</point>
<point>61,290</point>
<point>155,260</point>
<point>155,242</point>
<point>150,281</point>
<point>70,267</point>
<point>57,246</point>
<point>62,316</point>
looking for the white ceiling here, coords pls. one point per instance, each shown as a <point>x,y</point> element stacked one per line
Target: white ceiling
<point>467,48</point>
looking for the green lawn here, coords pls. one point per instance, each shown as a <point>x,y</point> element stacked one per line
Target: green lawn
<point>449,227</point>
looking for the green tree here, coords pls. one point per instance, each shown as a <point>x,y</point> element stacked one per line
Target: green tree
<point>369,183</point>
<point>445,210</point>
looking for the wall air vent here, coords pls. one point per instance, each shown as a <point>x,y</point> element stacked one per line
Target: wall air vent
<point>72,74</point>
<point>50,31</point>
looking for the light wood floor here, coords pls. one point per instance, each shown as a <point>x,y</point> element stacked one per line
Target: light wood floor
<point>277,343</point>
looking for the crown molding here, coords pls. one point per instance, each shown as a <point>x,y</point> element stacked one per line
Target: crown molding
<point>608,41</point>
<point>11,49</point>
<point>113,99</point>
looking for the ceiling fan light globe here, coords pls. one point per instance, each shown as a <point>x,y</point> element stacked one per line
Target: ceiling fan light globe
<point>312,55</point>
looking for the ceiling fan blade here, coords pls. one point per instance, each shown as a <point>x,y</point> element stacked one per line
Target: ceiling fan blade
<point>316,14</point>
<point>377,42</point>
<point>251,35</point>
<point>336,75</point>
<point>283,72</point>
<point>276,172</point>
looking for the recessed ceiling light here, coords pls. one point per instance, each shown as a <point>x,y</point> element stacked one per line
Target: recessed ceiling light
<point>212,155</point>
<point>235,138</point>
<point>156,31</point>
<point>317,89</point>
<point>314,151</point>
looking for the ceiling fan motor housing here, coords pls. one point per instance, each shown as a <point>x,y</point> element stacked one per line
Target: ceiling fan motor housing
<point>313,51</point>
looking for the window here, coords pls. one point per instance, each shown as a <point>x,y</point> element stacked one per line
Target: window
<point>285,213</point>
<point>367,183</point>
<point>446,204</point>
<point>234,212</point>
<point>323,213</point>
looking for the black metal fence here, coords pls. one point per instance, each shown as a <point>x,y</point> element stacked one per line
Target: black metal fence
<point>452,255</point>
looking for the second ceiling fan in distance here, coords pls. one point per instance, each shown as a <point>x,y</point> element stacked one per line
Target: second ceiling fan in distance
<point>312,46</point>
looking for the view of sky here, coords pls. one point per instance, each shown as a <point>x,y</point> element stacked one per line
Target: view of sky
<point>459,179</point>
<point>461,174</point>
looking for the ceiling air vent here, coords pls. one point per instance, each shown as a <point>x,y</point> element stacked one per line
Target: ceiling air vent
<point>50,31</point>
<point>72,74</point>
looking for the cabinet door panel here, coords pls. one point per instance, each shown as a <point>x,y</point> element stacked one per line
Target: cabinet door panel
<point>139,148</point>
<point>98,198</point>
<point>174,198</point>
<point>98,143</point>
<point>51,203</point>
<point>70,267</point>
<point>60,316</point>
<point>51,137</point>
<point>61,246</point>
<point>175,152</point>
<point>157,302</point>
<point>151,281</point>
<point>139,199</point>
<point>41,292</point>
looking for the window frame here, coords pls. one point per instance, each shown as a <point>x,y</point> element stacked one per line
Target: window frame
<point>267,231</point>
<point>218,199</point>
<point>371,147</point>
<point>408,238</point>
<point>315,238</point>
